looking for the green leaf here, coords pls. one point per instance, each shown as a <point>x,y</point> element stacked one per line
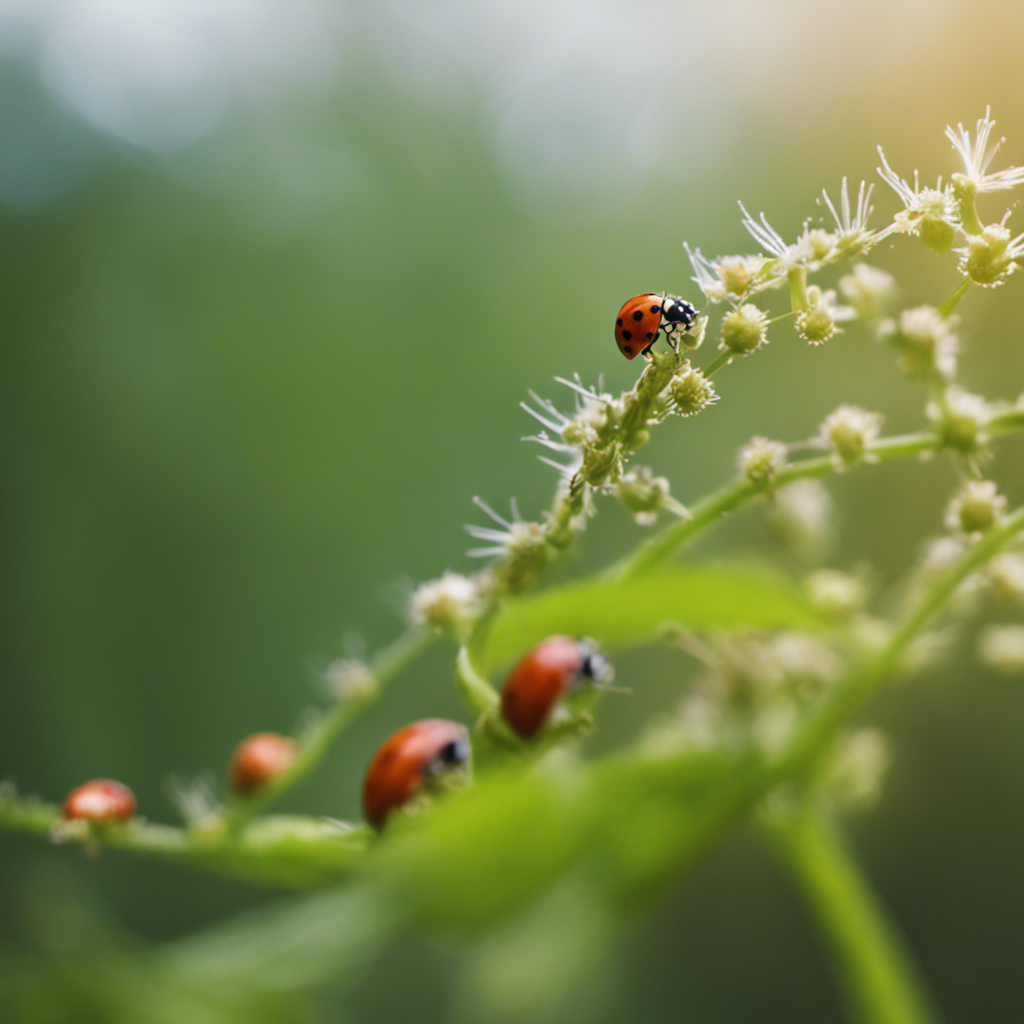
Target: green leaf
<point>287,946</point>
<point>625,613</point>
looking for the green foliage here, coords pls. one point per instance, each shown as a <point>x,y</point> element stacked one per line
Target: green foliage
<point>622,613</point>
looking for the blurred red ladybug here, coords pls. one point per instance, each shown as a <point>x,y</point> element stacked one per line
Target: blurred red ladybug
<point>101,800</point>
<point>642,318</point>
<point>554,667</point>
<point>260,759</point>
<point>417,757</point>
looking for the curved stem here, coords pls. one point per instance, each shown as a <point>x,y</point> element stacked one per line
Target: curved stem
<point>291,852</point>
<point>737,493</point>
<point>820,728</point>
<point>876,973</point>
<point>722,359</point>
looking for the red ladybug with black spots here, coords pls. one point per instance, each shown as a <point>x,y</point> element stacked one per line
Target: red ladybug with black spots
<point>556,668</point>
<point>644,317</point>
<point>422,756</point>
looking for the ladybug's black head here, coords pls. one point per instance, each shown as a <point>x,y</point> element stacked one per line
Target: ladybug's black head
<point>454,754</point>
<point>678,311</point>
<point>594,666</point>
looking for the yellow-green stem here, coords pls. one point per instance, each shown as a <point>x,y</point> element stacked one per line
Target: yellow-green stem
<point>880,981</point>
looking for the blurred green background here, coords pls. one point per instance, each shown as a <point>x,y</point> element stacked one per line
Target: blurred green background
<point>275,280</point>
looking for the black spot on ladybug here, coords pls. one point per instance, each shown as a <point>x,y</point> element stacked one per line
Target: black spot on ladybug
<point>627,335</point>
<point>649,335</point>
<point>618,323</point>
<point>638,315</point>
<point>628,349</point>
<point>655,309</point>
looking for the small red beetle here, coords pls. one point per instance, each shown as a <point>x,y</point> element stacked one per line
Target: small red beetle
<point>642,318</point>
<point>258,759</point>
<point>554,667</point>
<point>102,801</point>
<point>416,757</point>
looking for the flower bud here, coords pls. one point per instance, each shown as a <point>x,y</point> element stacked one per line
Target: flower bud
<point>643,494</point>
<point>601,462</point>
<point>690,391</point>
<point>868,290</point>
<point>818,242</point>
<point>976,507</point>
<point>101,801</point>
<point>744,330</point>
<point>988,259</point>
<point>815,325</point>
<point>258,759</point>
<point>1002,648</point>
<point>350,679</point>
<point>737,272</point>
<point>1006,574</point>
<point>760,459</point>
<point>925,341</point>
<point>936,233</point>
<point>848,431</point>
<point>836,594</point>
<point>853,776</point>
<point>448,603</point>
<point>801,515</point>
<point>961,420</point>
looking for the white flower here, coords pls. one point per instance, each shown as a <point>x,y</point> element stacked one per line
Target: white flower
<point>962,419</point>
<point>836,594</point>
<point>516,539</point>
<point>448,603</point>
<point>852,235</point>
<point>988,259</point>
<point>744,330</point>
<point>928,212</point>
<point>1002,647</point>
<point>802,514</point>
<point>351,679</point>
<point>690,391</point>
<point>868,290</point>
<point>849,431</point>
<point>925,341</point>
<point>590,415</point>
<point>978,505</point>
<point>1006,574</point>
<point>786,256</point>
<point>726,275</point>
<point>978,155</point>
<point>760,459</point>
<point>817,323</point>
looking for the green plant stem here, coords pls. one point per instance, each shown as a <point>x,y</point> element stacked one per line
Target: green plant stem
<point>877,975</point>
<point>822,726</point>
<point>722,359</point>
<point>317,740</point>
<point>739,492</point>
<point>953,301</point>
<point>307,851</point>
<point>290,852</point>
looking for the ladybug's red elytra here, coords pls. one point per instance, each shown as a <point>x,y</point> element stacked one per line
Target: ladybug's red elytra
<point>259,759</point>
<point>554,667</point>
<point>414,758</point>
<point>644,317</point>
<point>102,801</point>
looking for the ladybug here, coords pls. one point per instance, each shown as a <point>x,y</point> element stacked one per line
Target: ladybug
<point>556,666</point>
<point>259,759</point>
<point>415,758</point>
<point>102,801</point>
<point>643,317</point>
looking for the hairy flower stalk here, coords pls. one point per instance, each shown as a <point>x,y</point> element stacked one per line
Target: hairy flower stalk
<point>767,732</point>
